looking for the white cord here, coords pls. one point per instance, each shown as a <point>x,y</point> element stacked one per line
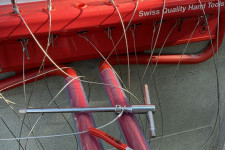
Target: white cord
<point>42,49</point>
<point>125,36</point>
<point>157,36</point>
<point>60,135</point>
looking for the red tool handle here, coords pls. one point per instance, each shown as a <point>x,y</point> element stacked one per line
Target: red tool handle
<point>108,138</point>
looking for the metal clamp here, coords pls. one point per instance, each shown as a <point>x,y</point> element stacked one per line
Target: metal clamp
<point>24,43</point>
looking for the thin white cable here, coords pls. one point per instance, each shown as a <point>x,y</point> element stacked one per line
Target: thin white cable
<point>114,48</point>
<point>17,10</point>
<point>177,133</point>
<point>125,36</point>
<point>91,82</point>
<point>104,59</point>
<point>60,135</point>
<point>186,46</point>
<point>42,49</point>
<point>6,100</point>
<point>162,49</point>
<point>156,40</point>
<point>216,70</point>
<point>114,86</point>
<point>62,90</point>
<point>49,105</point>
<point>207,24</point>
<point>3,89</point>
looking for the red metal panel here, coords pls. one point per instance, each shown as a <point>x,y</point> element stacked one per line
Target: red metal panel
<point>73,47</point>
<point>67,20</point>
<point>210,50</point>
<point>67,17</point>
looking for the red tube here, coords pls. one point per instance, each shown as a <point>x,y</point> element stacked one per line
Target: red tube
<point>108,138</point>
<point>30,76</point>
<point>174,59</point>
<point>83,121</point>
<point>77,99</point>
<point>128,123</point>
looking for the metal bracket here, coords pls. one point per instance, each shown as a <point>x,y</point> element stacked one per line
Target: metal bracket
<point>108,31</point>
<point>52,39</point>
<point>181,23</point>
<point>203,26</point>
<point>24,43</point>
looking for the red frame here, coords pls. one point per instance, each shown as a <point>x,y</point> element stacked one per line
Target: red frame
<point>90,19</point>
<point>207,53</point>
<point>87,17</point>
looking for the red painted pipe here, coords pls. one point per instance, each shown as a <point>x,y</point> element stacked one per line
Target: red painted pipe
<point>77,99</point>
<point>30,76</point>
<point>134,136</point>
<point>83,121</point>
<point>174,59</point>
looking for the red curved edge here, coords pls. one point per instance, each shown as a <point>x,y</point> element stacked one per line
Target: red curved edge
<point>76,95</point>
<point>82,121</point>
<point>174,59</point>
<point>16,81</point>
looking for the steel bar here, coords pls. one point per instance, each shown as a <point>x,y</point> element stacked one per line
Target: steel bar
<point>136,109</point>
<point>149,114</point>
